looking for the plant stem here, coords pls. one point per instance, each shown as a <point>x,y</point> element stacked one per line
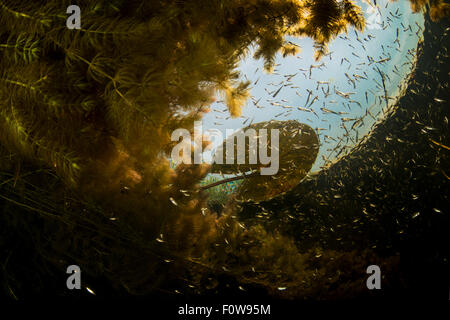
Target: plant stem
<point>228,180</point>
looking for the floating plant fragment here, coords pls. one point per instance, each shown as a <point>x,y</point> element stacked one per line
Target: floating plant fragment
<point>298,148</point>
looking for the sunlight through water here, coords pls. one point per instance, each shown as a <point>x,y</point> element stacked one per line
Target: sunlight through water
<point>343,95</point>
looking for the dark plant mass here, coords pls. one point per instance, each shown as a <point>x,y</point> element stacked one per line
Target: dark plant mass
<point>297,150</point>
<point>86,118</point>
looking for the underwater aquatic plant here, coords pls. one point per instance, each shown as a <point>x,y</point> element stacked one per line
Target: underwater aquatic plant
<point>296,151</point>
<point>97,105</point>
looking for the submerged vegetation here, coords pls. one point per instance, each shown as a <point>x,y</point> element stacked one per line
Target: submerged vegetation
<point>296,148</point>
<point>85,123</point>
